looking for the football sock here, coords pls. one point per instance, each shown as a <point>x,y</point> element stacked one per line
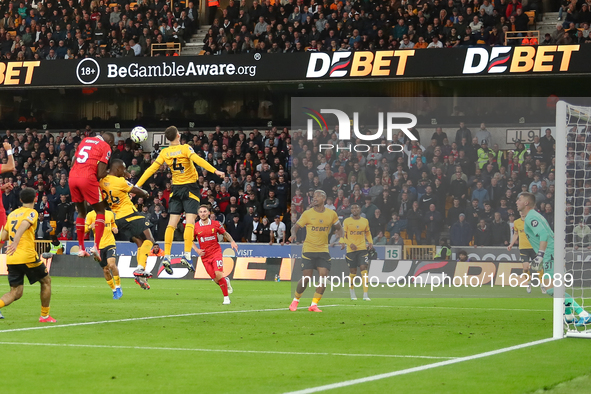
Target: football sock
<point>117,281</point>
<point>298,296</point>
<point>168,237</point>
<point>142,253</point>
<point>80,231</point>
<point>189,236</point>
<point>2,304</point>
<point>99,228</point>
<point>224,286</point>
<point>111,284</point>
<point>316,299</point>
<point>365,284</point>
<point>526,272</point>
<point>569,301</point>
<point>351,278</point>
<point>44,311</point>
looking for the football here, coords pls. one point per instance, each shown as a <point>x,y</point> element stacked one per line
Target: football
<point>139,134</point>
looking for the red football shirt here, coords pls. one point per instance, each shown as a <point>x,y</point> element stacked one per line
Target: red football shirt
<point>91,151</point>
<point>207,236</point>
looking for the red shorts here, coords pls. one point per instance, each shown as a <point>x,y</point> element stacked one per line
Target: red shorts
<point>213,264</point>
<point>85,189</point>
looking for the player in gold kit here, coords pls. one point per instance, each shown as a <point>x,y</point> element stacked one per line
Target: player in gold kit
<point>357,235</point>
<point>318,222</point>
<point>185,191</point>
<point>22,258</point>
<point>131,226</point>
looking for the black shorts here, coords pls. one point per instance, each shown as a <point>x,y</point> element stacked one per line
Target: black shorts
<point>184,198</point>
<point>527,254</point>
<point>109,252</point>
<point>357,258</point>
<point>17,273</point>
<point>315,260</point>
<point>132,226</point>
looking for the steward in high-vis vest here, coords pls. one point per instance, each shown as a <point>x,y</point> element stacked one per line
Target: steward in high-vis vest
<point>520,152</point>
<point>483,155</point>
<point>213,9</point>
<point>445,250</point>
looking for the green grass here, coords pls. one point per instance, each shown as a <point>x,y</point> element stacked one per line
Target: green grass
<point>449,327</point>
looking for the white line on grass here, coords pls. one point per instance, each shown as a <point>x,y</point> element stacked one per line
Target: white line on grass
<point>445,307</point>
<point>89,323</point>
<point>418,369</point>
<point>221,350</point>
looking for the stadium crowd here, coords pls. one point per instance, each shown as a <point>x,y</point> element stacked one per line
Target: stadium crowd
<point>252,200</point>
<point>337,25</point>
<point>461,185</point>
<point>75,29</point>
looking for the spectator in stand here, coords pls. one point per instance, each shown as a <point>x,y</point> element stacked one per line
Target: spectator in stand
<point>156,251</point>
<point>500,231</point>
<point>483,235</point>
<point>461,232</point>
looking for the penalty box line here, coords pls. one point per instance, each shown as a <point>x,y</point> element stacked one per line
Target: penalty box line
<point>352,382</point>
<point>90,323</point>
<point>122,347</point>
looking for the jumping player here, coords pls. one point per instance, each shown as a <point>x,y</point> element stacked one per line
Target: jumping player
<point>21,257</point>
<point>108,260</point>
<point>131,226</point>
<point>206,233</point>
<point>357,233</point>
<point>318,222</point>
<point>541,238</point>
<point>90,166</point>
<point>181,160</point>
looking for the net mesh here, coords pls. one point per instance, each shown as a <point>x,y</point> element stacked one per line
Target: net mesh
<point>578,211</point>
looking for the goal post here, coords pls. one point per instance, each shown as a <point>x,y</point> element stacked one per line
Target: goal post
<point>571,246</point>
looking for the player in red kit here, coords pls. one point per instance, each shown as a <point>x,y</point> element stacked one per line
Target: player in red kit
<point>90,166</point>
<point>206,233</point>
<point>8,167</point>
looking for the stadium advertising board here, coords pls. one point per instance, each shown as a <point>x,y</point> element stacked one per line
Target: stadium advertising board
<point>312,66</point>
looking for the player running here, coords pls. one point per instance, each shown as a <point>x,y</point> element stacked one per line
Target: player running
<point>90,166</point>
<point>206,233</point>
<point>21,257</point>
<point>541,238</point>
<point>185,191</point>
<point>357,233</point>
<point>318,222</point>
<point>108,260</point>
<point>131,226</point>
<point>525,250</point>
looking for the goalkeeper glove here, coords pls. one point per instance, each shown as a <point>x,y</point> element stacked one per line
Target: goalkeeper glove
<point>537,262</point>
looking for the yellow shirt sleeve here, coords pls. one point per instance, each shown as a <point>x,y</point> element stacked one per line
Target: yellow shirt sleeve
<point>303,221</point>
<point>151,170</point>
<point>195,158</point>
<point>368,233</point>
<point>32,217</point>
<point>90,219</point>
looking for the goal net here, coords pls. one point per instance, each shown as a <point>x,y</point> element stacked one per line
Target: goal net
<point>572,217</point>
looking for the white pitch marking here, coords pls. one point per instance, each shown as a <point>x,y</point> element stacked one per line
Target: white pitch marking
<point>418,369</point>
<point>221,350</point>
<point>445,307</point>
<point>147,318</point>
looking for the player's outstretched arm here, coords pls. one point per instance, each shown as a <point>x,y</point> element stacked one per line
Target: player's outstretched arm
<point>195,158</point>
<point>339,229</point>
<point>199,252</point>
<point>139,192</point>
<point>9,166</point>
<point>149,172</point>
<point>102,170</point>
<point>17,237</point>
<point>229,238</point>
<point>513,240</point>
<point>294,232</point>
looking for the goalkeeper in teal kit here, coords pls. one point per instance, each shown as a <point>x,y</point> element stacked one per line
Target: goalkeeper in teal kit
<point>541,237</point>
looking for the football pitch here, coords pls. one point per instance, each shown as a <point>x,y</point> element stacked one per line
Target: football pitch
<point>178,338</point>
